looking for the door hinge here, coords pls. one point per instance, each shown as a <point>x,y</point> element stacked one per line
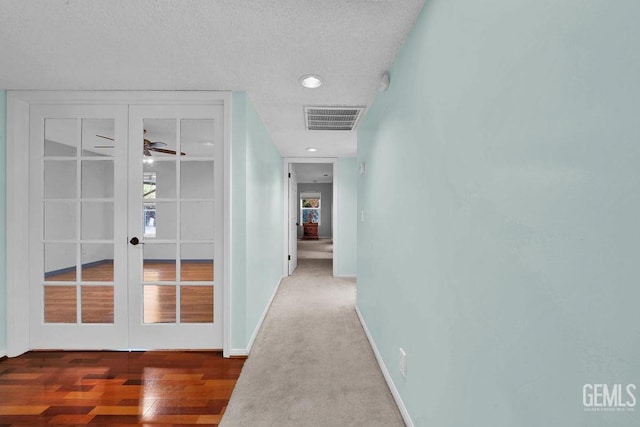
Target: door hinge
<point>289,257</point>
<point>289,174</point>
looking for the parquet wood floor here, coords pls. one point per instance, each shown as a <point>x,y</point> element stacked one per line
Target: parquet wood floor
<point>116,388</point>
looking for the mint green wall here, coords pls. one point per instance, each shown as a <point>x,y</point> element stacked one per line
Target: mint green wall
<point>3,228</point>
<point>502,201</point>
<point>239,336</point>
<point>347,188</point>
<point>258,212</point>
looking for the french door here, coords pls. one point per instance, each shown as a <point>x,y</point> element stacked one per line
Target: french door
<point>126,231</point>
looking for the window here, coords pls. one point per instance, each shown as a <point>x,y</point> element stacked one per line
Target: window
<point>310,207</point>
<point>149,210</point>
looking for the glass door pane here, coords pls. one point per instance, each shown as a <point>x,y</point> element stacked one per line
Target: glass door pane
<point>157,149</point>
<point>177,193</point>
<point>97,221</point>
<point>75,162</point>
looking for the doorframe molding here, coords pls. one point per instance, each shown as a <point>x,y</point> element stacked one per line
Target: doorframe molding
<point>334,208</point>
<point>18,106</point>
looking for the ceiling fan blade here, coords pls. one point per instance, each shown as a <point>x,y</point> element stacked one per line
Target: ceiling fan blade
<point>162,150</point>
<point>154,144</point>
<point>105,137</point>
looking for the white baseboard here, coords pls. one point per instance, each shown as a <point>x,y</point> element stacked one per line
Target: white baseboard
<point>346,276</point>
<point>238,352</point>
<point>3,352</point>
<point>385,372</point>
<point>246,351</point>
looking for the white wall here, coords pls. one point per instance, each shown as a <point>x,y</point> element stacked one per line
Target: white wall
<point>97,182</point>
<point>197,216</point>
<point>60,177</point>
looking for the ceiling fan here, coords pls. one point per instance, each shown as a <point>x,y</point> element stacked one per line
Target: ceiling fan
<point>147,148</point>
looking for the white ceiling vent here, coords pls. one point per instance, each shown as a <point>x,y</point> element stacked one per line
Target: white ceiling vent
<point>332,118</point>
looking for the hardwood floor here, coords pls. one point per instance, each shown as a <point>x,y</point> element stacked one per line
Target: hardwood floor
<point>153,271</point>
<point>160,302</point>
<point>116,388</point>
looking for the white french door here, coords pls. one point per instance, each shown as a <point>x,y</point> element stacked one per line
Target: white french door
<point>125,226</point>
<point>175,213</point>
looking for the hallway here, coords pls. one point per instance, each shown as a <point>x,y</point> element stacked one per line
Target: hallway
<point>315,249</point>
<point>311,364</point>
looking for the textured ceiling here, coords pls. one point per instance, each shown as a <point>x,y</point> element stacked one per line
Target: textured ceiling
<point>258,46</point>
<point>307,173</point>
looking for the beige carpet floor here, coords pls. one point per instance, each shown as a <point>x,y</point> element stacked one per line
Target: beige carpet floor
<point>316,249</point>
<point>311,363</point>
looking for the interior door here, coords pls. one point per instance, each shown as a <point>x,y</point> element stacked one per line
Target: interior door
<point>78,187</point>
<point>175,226</point>
<point>125,228</point>
<point>293,220</point>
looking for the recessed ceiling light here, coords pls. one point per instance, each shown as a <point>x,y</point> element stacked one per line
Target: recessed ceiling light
<point>312,149</point>
<point>208,143</point>
<point>311,81</point>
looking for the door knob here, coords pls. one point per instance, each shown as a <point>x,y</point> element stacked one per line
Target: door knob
<point>134,241</point>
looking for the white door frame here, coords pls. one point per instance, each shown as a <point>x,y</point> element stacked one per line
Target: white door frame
<point>293,234</point>
<point>18,207</point>
<point>334,208</point>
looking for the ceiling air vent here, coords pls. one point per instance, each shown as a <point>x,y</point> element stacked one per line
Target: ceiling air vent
<point>332,118</point>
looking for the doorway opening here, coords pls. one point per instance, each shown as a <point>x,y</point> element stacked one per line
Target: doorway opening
<point>311,207</point>
<point>315,200</point>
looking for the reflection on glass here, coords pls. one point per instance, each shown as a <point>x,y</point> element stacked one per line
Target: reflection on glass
<point>159,262</point>
<point>196,221</point>
<point>97,179</point>
<point>196,260</point>
<point>59,220</point>
<point>97,262</point>
<point>197,137</point>
<point>97,220</point>
<point>60,262</point>
<point>98,137</point>
<point>59,179</point>
<point>60,137</point>
<point>159,304</point>
<point>196,180</point>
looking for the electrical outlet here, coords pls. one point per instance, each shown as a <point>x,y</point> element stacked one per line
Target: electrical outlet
<point>403,363</point>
